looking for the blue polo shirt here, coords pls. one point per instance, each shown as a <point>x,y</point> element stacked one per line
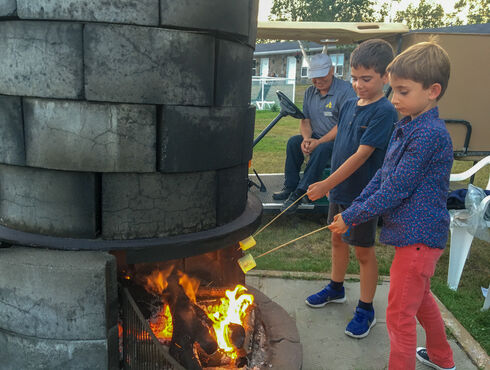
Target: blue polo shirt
<point>323,111</point>
<point>371,125</point>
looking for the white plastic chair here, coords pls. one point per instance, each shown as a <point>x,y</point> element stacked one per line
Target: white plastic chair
<point>461,239</point>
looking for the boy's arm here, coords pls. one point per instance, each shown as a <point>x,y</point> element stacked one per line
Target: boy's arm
<point>400,184</point>
<point>351,165</point>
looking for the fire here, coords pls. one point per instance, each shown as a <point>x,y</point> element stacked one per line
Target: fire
<point>231,310</point>
<point>161,324</point>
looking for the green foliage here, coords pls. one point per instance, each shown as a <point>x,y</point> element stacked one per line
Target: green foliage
<point>424,15</point>
<point>477,11</point>
<point>323,10</point>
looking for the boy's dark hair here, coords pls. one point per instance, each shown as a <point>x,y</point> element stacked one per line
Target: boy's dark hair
<point>426,63</point>
<point>375,54</point>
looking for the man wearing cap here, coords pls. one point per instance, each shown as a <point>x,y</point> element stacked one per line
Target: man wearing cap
<point>321,107</point>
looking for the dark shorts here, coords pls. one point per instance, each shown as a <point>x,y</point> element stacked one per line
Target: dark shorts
<point>362,235</point>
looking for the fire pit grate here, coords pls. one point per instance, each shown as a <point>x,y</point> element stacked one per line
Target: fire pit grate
<point>141,349</point>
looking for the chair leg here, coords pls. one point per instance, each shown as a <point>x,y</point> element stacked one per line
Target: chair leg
<point>486,304</point>
<point>458,252</point>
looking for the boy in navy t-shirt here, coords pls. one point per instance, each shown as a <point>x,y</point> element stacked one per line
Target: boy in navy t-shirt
<point>364,129</point>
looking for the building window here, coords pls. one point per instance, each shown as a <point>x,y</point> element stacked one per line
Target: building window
<point>254,67</point>
<point>304,68</point>
<point>338,64</point>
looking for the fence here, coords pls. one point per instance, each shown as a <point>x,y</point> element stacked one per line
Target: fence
<point>264,90</point>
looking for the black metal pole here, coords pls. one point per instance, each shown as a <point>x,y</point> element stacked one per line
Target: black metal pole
<point>269,127</point>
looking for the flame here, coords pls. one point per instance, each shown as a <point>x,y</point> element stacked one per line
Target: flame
<point>161,324</point>
<point>231,310</point>
<point>157,281</point>
<point>190,286</point>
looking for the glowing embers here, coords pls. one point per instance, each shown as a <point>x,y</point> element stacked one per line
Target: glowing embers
<point>201,325</point>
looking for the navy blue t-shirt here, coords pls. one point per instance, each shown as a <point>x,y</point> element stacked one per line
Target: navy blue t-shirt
<point>371,125</point>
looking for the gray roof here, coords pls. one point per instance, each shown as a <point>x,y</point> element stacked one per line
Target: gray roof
<point>469,28</point>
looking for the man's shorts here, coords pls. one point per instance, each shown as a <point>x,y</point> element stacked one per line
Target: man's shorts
<point>362,235</point>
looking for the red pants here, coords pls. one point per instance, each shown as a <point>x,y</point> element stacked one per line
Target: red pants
<point>410,297</point>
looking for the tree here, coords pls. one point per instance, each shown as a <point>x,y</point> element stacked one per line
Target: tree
<point>476,10</point>
<point>425,15</point>
<point>324,10</point>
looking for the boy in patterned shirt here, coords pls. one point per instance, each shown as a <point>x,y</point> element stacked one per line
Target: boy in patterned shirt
<point>410,192</point>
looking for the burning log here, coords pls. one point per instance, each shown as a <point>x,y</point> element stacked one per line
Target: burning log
<point>190,325</point>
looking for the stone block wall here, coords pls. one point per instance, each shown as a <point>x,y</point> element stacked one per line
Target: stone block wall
<point>59,310</point>
<point>117,117</point>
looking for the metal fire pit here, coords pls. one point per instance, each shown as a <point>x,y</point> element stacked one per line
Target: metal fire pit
<point>141,349</point>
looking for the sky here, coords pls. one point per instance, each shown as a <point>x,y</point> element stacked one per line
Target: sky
<point>448,5</point>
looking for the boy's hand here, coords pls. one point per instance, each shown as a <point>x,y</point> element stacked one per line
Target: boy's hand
<point>317,190</point>
<point>338,225</point>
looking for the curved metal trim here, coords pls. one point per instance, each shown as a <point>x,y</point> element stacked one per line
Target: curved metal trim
<point>172,247</point>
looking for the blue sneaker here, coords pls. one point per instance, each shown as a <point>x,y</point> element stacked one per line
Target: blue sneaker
<point>326,295</point>
<point>361,323</point>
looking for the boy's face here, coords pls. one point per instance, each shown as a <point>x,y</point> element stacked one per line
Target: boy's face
<point>410,98</point>
<point>367,83</point>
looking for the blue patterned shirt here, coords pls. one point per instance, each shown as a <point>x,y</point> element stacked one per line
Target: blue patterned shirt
<point>410,190</point>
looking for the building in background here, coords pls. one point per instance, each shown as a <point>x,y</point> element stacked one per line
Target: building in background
<point>285,59</point>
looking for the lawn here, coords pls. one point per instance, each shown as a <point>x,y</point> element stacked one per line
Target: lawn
<point>312,254</point>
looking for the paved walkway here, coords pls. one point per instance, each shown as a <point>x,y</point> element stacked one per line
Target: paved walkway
<point>325,346</point>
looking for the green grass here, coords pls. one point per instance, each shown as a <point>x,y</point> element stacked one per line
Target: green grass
<point>313,254</point>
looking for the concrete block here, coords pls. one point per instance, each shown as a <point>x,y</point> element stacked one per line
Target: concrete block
<point>148,65</point>
<point>63,295</point>
<point>216,15</point>
<point>248,135</point>
<point>48,202</point>
<point>252,32</point>
<point>233,73</point>
<point>11,131</point>
<point>211,138</point>
<point>232,193</point>
<point>28,353</point>
<point>157,205</point>
<point>7,8</point>
<point>144,12</point>
<point>81,136</point>
<point>42,59</point>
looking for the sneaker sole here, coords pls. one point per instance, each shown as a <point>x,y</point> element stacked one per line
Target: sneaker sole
<point>338,300</point>
<point>361,335</point>
<point>429,363</point>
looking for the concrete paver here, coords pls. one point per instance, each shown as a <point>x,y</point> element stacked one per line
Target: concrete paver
<point>321,330</point>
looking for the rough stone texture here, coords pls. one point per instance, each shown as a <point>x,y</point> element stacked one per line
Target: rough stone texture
<point>82,136</point>
<point>157,205</point>
<point>201,138</point>
<point>248,135</point>
<point>286,355</point>
<point>143,12</point>
<point>278,328</point>
<point>148,65</point>
<point>42,59</point>
<point>7,8</point>
<point>48,202</point>
<point>27,353</point>
<point>219,15</point>
<point>254,13</point>
<point>232,193</point>
<point>11,131</point>
<point>61,295</point>
<point>233,74</point>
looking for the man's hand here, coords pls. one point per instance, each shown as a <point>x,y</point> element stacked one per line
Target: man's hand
<point>318,190</point>
<point>338,225</point>
<point>313,144</point>
<point>305,145</point>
